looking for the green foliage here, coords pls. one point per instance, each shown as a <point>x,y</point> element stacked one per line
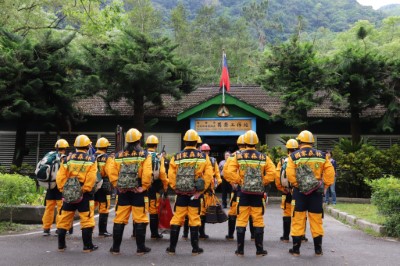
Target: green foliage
<point>24,169</point>
<point>347,146</point>
<point>16,190</point>
<point>275,153</point>
<point>137,67</point>
<point>386,196</point>
<point>358,166</point>
<point>293,72</point>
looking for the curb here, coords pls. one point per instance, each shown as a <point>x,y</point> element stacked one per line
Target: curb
<point>353,220</point>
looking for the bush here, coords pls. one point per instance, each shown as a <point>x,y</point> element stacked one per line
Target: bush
<point>386,196</point>
<point>17,189</point>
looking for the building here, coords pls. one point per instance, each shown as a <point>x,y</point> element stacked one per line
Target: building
<point>219,124</point>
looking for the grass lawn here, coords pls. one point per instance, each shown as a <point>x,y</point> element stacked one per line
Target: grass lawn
<point>366,212</point>
<point>8,229</point>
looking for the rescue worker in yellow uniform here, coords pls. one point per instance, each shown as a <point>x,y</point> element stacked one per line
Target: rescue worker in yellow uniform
<point>159,182</point>
<point>232,214</point>
<point>189,173</point>
<point>311,203</point>
<point>83,166</point>
<point>252,170</point>
<point>53,195</point>
<point>134,169</point>
<point>283,185</point>
<point>185,233</point>
<point>102,197</point>
<point>215,182</point>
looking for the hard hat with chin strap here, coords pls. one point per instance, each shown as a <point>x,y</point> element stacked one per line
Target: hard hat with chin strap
<point>251,138</point>
<point>61,144</point>
<point>82,141</point>
<point>152,140</point>
<point>132,135</point>
<point>292,144</point>
<point>191,135</point>
<point>102,143</point>
<point>306,137</point>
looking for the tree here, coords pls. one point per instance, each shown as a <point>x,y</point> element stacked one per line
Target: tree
<point>140,69</point>
<point>36,84</point>
<point>292,72</point>
<point>361,80</point>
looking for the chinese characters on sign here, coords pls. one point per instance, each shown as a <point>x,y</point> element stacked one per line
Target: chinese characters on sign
<point>223,125</point>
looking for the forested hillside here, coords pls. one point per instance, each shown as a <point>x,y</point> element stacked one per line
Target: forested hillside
<point>391,10</point>
<point>283,15</point>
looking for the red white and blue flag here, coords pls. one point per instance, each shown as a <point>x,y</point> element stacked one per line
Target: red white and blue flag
<point>224,82</point>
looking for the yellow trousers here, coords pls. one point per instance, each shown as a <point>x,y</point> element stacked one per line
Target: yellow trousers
<point>48,215</point>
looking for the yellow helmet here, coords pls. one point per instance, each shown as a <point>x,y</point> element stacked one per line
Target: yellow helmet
<point>102,143</point>
<point>191,135</point>
<point>306,137</point>
<point>250,137</point>
<point>132,135</point>
<point>82,141</point>
<point>199,140</point>
<point>240,140</point>
<point>152,140</point>
<point>292,144</point>
<point>61,144</point>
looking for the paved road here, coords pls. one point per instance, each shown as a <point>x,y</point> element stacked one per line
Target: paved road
<point>342,246</point>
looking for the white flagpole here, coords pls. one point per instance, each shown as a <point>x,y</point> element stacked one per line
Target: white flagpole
<point>223,81</point>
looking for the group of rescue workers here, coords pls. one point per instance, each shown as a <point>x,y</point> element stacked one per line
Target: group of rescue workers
<point>193,175</point>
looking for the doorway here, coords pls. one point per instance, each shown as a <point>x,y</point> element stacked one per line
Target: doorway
<point>220,144</point>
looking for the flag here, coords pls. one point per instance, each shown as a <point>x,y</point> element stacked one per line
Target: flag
<point>224,82</point>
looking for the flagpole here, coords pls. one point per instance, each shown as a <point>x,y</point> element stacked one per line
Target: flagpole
<point>223,81</point>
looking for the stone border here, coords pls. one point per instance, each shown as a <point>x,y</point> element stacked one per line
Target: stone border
<point>352,220</point>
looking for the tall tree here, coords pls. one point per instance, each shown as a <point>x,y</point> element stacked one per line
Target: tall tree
<point>293,72</point>
<point>141,69</point>
<point>37,84</point>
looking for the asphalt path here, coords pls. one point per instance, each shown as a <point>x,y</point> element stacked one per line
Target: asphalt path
<point>342,245</point>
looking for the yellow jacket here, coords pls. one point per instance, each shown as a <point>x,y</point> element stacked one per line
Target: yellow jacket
<point>143,158</point>
<point>163,174</point>
<point>106,166</point>
<point>318,162</point>
<point>190,156</point>
<point>235,171</point>
<point>79,164</point>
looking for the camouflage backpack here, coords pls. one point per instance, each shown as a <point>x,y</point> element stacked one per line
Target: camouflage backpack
<point>128,177</point>
<point>253,181</point>
<point>72,191</point>
<point>99,179</point>
<point>306,179</point>
<point>185,179</point>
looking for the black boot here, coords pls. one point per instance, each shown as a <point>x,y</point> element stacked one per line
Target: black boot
<point>87,240</point>
<point>286,229</point>
<point>259,239</point>
<point>140,239</point>
<point>154,227</point>
<point>318,246</point>
<point>185,235</point>
<point>251,228</point>
<point>46,232</point>
<point>194,239</point>
<point>61,240</point>
<point>103,218</point>
<point>134,231</point>
<point>202,233</point>
<point>71,230</point>
<point>118,232</point>
<point>231,227</point>
<point>295,251</point>
<point>173,239</point>
<point>240,234</point>
<point>304,238</point>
